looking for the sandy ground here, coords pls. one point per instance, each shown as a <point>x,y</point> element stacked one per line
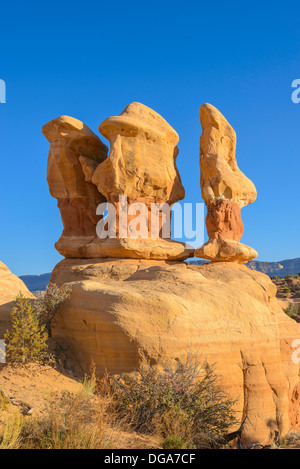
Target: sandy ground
<point>35,386</point>
<point>33,389</point>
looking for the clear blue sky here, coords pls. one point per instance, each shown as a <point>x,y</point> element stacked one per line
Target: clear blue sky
<point>90,59</point>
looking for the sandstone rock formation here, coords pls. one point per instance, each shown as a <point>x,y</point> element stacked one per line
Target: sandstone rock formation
<point>225,190</point>
<point>142,160</point>
<point>77,200</point>
<point>141,166</point>
<point>120,310</point>
<point>150,305</point>
<point>10,287</point>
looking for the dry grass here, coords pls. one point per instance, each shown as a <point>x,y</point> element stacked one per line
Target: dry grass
<point>10,434</point>
<point>77,421</point>
<point>169,408</point>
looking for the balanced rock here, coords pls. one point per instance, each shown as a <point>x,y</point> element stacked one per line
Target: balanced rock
<point>141,168</point>
<point>123,310</point>
<point>142,159</point>
<point>225,190</point>
<point>139,172</point>
<point>77,200</point>
<point>10,287</point>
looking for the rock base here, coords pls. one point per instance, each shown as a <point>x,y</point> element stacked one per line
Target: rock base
<point>123,310</point>
<point>226,250</point>
<point>129,248</point>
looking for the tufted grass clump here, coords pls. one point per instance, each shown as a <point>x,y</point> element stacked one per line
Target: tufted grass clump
<point>10,433</point>
<point>71,423</point>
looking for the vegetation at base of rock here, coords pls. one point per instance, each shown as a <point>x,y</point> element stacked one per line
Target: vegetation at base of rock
<point>47,306</point>
<point>75,421</point>
<point>183,404</point>
<point>27,339</point>
<point>71,424</point>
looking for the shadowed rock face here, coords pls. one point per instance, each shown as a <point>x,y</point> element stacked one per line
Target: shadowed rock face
<point>141,166</point>
<point>121,310</point>
<point>225,190</point>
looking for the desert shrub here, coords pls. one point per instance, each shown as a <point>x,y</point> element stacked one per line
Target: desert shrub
<point>275,277</point>
<point>47,306</point>
<point>27,339</point>
<point>287,290</point>
<point>293,311</point>
<point>288,277</point>
<point>182,404</point>
<point>292,438</point>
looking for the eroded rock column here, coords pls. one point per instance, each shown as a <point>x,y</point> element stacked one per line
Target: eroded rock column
<point>141,167</point>
<point>77,199</point>
<point>225,190</point>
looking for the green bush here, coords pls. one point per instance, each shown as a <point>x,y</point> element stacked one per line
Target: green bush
<point>182,404</point>
<point>287,290</point>
<point>27,339</point>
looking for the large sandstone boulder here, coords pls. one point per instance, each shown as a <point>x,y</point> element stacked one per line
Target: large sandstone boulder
<point>122,310</point>
<point>10,287</point>
<point>225,190</point>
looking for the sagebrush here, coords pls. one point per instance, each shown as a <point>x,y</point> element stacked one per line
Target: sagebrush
<point>48,306</point>
<point>183,403</point>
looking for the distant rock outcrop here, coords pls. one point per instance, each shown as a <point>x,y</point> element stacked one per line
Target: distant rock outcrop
<point>225,190</point>
<point>36,282</point>
<point>280,268</point>
<point>10,287</point>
